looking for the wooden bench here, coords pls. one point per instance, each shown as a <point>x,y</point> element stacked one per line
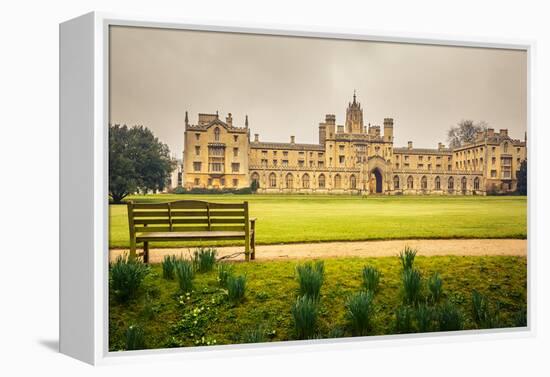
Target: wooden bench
<point>190,220</point>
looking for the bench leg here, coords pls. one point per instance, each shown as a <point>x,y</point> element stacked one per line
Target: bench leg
<point>253,246</point>
<point>247,249</point>
<point>132,249</point>
<point>146,252</point>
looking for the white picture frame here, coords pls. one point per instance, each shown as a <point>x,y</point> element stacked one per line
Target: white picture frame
<point>84,181</point>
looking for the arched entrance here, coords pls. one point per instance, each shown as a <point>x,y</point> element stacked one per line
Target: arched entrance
<point>375,181</point>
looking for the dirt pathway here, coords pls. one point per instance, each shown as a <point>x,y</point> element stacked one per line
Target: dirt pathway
<point>473,247</point>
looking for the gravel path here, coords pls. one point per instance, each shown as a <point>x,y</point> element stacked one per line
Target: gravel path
<point>472,247</point>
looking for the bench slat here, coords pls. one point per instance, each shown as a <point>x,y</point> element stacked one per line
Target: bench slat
<point>182,229</point>
<point>175,214</point>
<point>199,235</point>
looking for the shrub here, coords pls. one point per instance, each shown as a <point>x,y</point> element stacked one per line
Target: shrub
<point>236,286</point>
<point>304,313</point>
<point>407,256</point>
<point>424,318</point>
<point>135,338</point>
<point>168,265</point>
<point>371,278</point>
<point>359,311</point>
<point>403,320</point>
<point>204,259</point>
<point>179,190</point>
<point>310,278</point>
<point>256,335</point>
<point>435,286</point>
<point>412,284</point>
<point>450,318</point>
<point>225,270</point>
<point>186,274</point>
<point>127,274</point>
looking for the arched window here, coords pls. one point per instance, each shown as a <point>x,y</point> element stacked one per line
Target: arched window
<point>272,180</point>
<point>476,183</point>
<point>256,179</point>
<point>464,183</point>
<point>352,182</point>
<point>424,183</point>
<point>505,147</point>
<point>289,181</point>
<point>451,183</point>
<point>396,182</point>
<point>305,181</point>
<point>437,183</point>
<point>337,181</point>
<point>216,134</point>
<point>410,182</point>
<point>322,181</point>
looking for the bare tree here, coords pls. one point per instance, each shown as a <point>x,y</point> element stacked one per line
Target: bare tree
<point>464,132</point>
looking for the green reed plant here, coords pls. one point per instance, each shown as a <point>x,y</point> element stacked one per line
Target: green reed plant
<point>407,256</point>
<point>135,338</point>
<point>310,278</point>
<point>168,267</point>
<point>404,320</point>
<point>435,287</point>
<point>255,335</point>
<point>225,270</point>
<point>482,314</point>
<point>371,279</point>
<point>412,286</point>
<point>304,313</point>
<point>359,312</point>
<point>126,277</point>
<point>185,274</point>
<point>425,317</point>
<point>450,317</point>
<point>204,259</point>
<point>236,287</point>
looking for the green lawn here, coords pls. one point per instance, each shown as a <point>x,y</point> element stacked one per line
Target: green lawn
<point>170,319</point>
<point>309,218</point>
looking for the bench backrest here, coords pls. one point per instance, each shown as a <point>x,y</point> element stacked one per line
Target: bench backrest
<point>187,216</point>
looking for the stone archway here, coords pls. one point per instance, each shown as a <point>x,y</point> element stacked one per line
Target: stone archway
<point>375,175</point>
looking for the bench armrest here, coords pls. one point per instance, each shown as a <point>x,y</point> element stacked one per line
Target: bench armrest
<point>252,219</point>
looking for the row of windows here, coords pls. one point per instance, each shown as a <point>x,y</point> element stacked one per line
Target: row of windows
<point>216,151</point>
<point>217,167</point>
<point>212,182</point>
<point>306,181</point>
<point>216,135</point>
<point>424,183</point>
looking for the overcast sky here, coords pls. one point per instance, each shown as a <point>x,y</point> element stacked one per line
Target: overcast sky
<point>286,85</point>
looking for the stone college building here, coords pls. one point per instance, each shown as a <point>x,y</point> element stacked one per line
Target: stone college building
<point>349,159</point>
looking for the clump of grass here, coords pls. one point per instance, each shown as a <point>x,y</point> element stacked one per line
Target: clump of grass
<point>450,318</point>
<point>185,274</point>
<point>168,266</point>
<point>403,320</point>
<point>225,270</point>
<point>407,256</point>
<point>135,338</point>
<point>204,259</point>
<point>371,278</point>
<point>304,312</point>
<point>255,335</point>
<point>127,274</point>
<point>424,316</point>
<point>482,315</point>
<point>412,285</point>
<point>310,278</point>
<point>359,311</point>
<point>520,319</point>
<point>236,287</point>
<point>435,286</point>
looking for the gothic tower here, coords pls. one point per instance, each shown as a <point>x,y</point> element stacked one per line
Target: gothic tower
<point>354,117</point>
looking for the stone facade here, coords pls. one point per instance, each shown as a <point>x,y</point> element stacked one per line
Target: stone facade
<point>349,159</point>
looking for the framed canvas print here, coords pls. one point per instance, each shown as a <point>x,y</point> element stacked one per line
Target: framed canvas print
<point>229,188</point>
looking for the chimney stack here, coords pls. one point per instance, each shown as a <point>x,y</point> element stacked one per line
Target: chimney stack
<point>256,137</point>
<point>292,140</point>
<point>409,145</point>
<point>440,146</point>
<point>229,120</point>
<point>490,132</point>
<point>503,132</point>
